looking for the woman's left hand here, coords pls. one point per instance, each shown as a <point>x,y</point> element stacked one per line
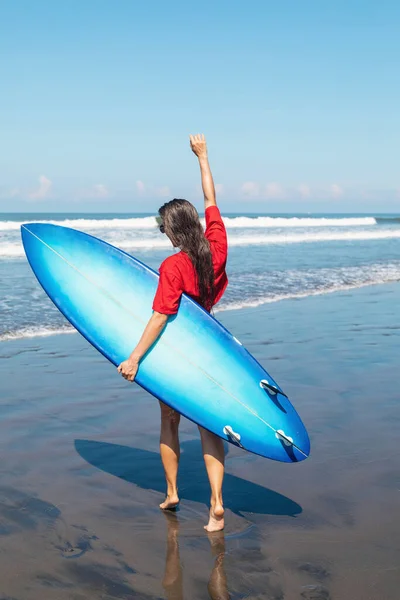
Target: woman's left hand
<point>128,369</point>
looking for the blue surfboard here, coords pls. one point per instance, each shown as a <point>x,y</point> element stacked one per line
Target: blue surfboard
<point>197,367</point>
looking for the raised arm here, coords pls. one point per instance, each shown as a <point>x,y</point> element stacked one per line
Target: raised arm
<point>199,146</point>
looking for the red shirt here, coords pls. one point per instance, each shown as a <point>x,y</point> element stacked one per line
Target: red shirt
<point>178,275</point>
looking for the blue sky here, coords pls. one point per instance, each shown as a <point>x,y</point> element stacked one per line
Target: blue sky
<point>299,100</point>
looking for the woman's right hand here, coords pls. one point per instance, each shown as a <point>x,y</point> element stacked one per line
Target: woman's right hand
<point>199,145</point>
<point>129,368</point>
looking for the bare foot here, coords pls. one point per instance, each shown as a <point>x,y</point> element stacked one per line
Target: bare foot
<point>170,502</point>
<point>216,522</point>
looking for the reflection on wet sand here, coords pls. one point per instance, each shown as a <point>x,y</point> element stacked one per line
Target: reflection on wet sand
<point>173,580</point>
<point>218,586</point>
<point>173,576</point>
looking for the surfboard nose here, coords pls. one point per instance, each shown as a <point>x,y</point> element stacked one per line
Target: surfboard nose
<point>29,227</point>
<point>39,237</point>
<point>30,237</point>
<point>35,228</point>
<point>31,231</point>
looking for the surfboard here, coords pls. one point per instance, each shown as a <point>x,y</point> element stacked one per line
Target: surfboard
<point>196,366</point>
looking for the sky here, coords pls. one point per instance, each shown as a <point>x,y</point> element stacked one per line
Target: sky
<point>299,101</point>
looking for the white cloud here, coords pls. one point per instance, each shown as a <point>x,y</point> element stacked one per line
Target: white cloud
<point>274,190</point>
<point>250,189</point>
<point>219,188</point>
<point>336,191</point>
<point>304,190</point>
<point>44,189</point>
<point>8,193</point>
<point>140,186</point>
<point>163,191</point>
<point>96,192</point>
<point>150,190</point>
<point>100,191</point>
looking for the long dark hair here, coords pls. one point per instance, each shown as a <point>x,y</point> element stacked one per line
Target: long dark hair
<point>182,225</point>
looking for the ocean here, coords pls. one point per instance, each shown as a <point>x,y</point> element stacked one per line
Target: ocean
<point>271,258</point>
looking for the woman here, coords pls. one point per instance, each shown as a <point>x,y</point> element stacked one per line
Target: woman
<point>198,270</point>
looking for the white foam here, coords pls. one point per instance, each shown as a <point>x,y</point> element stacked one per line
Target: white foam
<point>8,250</point>
<point>246,222</point>
<point>230,222</point>
<point>278,298</point>
<point>317,283</point>
<point>33,332</point>
<point>90,224</point>
<point>280,238</point>
<point>11,250</point>
<point>325,236</point>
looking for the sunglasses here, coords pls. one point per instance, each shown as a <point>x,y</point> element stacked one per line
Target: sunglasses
<point>160,224</point>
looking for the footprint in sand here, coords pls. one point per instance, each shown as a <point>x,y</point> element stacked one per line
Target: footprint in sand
<point>73,552</point>
<point>69,542</point>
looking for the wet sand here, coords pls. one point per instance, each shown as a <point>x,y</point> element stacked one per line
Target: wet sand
<point>81,477</point>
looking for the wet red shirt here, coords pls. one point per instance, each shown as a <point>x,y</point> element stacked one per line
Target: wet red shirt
<point>177,274</point>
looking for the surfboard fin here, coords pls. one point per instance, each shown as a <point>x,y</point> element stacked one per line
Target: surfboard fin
<point>271,388</point>
<point>233,436</point>
<point>286,439</point>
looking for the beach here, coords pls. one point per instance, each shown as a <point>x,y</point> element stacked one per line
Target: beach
<point>247,155</point>
<point>82,479</point>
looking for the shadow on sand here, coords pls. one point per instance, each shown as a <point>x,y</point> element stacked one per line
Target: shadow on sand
<point>144,469</point>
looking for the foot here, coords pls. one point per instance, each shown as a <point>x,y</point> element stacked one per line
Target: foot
<point>170,502</point>
<point>216,522</point>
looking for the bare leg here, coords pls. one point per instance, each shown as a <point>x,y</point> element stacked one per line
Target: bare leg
<point>214,458</point>
<point>170,452</point>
